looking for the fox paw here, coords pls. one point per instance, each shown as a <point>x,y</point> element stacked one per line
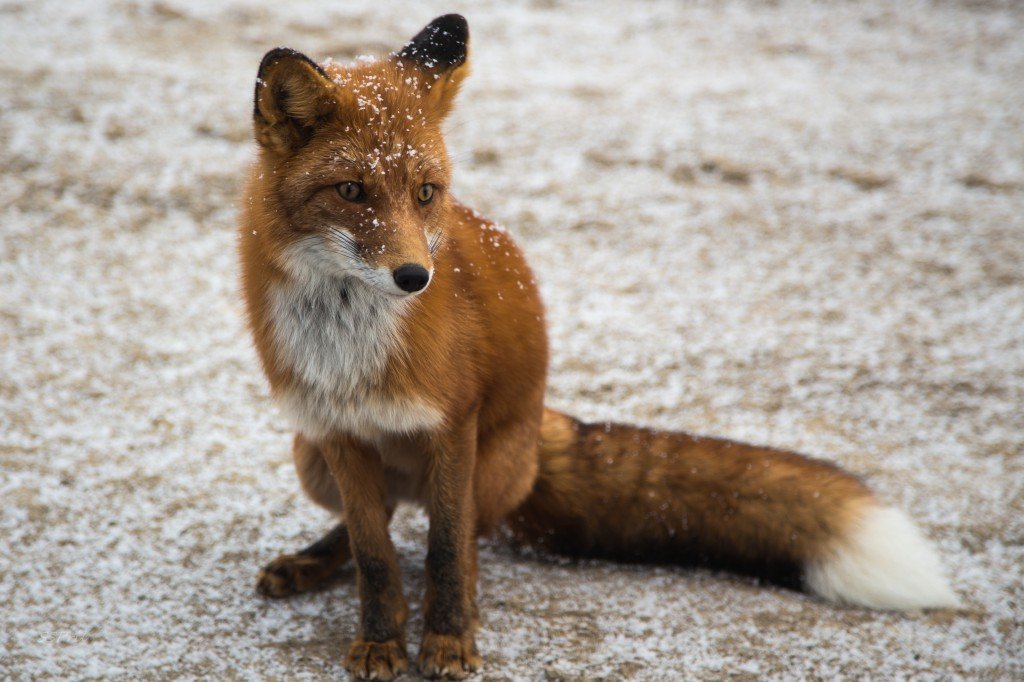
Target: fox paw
<point>291,574</point>
<point>448,656</point>
<point>376,660</point>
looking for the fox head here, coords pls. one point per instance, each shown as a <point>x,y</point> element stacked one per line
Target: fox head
<point>353,171</point>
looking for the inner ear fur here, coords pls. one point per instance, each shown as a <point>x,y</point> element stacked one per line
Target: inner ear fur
<point>441,52</point>
<point>293,95</point>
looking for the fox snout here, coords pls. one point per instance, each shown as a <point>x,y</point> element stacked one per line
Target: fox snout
<point>399,263</point>
<point>410,277</point>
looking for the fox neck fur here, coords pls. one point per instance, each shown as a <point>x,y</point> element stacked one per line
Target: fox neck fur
<point>336,335</point>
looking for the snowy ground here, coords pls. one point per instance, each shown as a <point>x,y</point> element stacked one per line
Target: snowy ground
<point>786,223</point>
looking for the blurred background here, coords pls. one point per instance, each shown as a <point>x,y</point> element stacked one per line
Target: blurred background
<point>791,223</point>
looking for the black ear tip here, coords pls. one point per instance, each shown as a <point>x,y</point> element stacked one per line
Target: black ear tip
<point>276,56</point>
<point>442,42</point>
<point>281,54</point>
<point>453,24</point>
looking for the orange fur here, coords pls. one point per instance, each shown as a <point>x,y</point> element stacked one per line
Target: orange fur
<point>436,395</point>
<point>688,499</point>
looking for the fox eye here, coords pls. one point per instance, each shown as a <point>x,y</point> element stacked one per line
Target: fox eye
<point>351,191</point>
<point>426,193</point>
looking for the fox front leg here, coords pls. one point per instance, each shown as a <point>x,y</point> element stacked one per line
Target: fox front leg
<point>378,651</point>
<point>448,649</point>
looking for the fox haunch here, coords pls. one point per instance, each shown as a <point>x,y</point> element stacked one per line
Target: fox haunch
<point>404,337</point>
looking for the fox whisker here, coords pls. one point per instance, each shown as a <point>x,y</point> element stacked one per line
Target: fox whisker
<point>347,247</point>
<point>434,242</point>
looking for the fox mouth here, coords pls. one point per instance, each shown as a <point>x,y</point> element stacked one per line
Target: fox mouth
<point>406,280</point>
<point>337,255</point>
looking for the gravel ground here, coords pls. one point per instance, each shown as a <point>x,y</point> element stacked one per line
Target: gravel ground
<point>789,223</point>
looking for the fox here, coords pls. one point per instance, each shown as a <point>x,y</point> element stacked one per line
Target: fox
<point>403,336</point>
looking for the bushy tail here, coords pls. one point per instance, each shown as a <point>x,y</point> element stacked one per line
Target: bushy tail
<point>624,492</point>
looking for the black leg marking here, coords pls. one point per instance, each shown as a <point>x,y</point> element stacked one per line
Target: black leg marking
<point>329,545</point>
<point>447,614</point>
<point>375,584</point>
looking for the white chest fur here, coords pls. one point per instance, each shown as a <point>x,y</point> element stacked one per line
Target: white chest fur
<point>336,337</point>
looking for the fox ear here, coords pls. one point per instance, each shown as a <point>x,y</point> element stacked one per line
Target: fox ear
<point>441,50</point>
<point>293,95</point>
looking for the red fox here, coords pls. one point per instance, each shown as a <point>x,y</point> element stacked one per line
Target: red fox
<point>404,336</point>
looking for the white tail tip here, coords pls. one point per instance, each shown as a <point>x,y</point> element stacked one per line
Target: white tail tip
<point>883,562</point>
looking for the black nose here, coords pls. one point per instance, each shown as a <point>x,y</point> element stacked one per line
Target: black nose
<point>410,277</point>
